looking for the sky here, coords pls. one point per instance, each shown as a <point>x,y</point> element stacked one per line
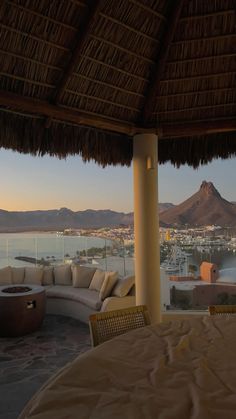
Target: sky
<point>30,183</point>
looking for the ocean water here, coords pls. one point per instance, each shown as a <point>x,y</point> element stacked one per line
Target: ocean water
<point>57,249</point>
<point>43,245</point>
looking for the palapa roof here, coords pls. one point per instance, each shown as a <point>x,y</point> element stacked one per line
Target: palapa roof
<point>82,77</point>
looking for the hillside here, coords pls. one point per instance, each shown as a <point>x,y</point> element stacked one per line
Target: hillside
<point>205,207</point>
<point>13,221</point>
<point>61,219</point>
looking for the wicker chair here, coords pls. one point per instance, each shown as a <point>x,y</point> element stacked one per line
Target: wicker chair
<point>104,326</point>
<point>222,309</point>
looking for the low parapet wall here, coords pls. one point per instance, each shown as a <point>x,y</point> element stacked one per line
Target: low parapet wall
<point>178,278</point>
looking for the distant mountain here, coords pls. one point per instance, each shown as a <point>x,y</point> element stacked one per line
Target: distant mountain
<point>65,218</point>
<point>205,207</point>
<point>61,219</point>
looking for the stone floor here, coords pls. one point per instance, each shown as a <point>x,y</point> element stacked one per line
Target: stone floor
<point>27,362</point>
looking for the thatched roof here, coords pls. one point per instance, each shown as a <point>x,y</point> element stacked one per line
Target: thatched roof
<point>83,76</point>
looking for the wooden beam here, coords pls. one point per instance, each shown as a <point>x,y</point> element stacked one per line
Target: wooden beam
<point>91,12</point>
<point>61,113</point>
<point>139,57</point>
<point>148,9</point>
<point>34,37</point>
<point>197,128</point>
<point>197,92</point>
<point>209,57</point>
<point>207,38</point>
<point>195,108</point>
<point>207,15</point>
<point>133,30</point>
<point>40,15</point>
<point>155,78</point>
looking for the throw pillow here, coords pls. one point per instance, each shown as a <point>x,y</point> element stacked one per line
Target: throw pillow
<point>18,275</point>
<point>109,282</point>
<point>62,275</point>
<point>33,275</point>
<point>123,286</point>
<point>5,276</point>
<point>48,275</point>
<point>82,276</point>
<point>97,280</point>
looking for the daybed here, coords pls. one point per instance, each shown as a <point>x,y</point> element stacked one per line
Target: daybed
<point>74,290</point>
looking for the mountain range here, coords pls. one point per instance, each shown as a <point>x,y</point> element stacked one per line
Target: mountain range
<point>205,207</point>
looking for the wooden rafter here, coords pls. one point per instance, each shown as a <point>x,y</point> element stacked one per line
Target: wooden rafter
<point>209,57</point>
<point>29,60</point>
<point>191,129</point>
<point>148,9</point>
<point>219,37</point>
<point>92,10</point>
<point>155,78</point>
<point>106,84</point>
<point>120,48</point>
<point>207,15</point>
<point>194,108</point>
<point>129,28</point>
<point>197,92</point>
<point>115,68</point>
<point>199,76</point>
<point>59,113</point>
<point>33,37</point>
<point>40,15</point>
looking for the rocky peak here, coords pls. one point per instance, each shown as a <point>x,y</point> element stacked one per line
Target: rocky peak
<point>209,189</point>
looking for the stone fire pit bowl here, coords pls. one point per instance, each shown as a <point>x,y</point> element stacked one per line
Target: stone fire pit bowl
<point>22,309</point>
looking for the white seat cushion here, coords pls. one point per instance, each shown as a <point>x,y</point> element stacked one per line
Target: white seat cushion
<point>123,286</point>
<point>5,276</point>
<point>83,295</point>
<point>33,275</point>
<point>97,280</point>
<point>110,281</point>
<point>62,275</point>
<point>82,276</point>
<point>18,275</point>
<point>48,275</point>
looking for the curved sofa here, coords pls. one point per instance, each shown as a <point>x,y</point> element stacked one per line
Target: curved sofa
<point>74,290</point>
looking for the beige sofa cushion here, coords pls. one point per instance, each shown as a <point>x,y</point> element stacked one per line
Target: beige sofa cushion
<point>48,275</point>
<point>111,279</point>
<point>123,286</point>
<point>82,276</point>
<point>33,275</point>
<point>97,280</point>
<point>82,295</point>
<point>5,276</point>
<point>17,275</point>
<point>62,275</point>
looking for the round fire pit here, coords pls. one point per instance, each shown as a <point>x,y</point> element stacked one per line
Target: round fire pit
<point>22,309</point>
<point>17,289</point>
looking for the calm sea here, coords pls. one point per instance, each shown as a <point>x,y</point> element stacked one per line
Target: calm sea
<point>56,249</point>
<point>43,245</point>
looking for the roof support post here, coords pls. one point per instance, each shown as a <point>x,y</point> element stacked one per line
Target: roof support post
<point>146,224</point>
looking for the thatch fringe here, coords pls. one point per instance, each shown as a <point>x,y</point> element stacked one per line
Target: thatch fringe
<point>27,134</point>
<point>196,151</point>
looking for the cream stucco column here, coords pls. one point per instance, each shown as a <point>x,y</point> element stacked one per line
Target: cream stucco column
<point>146,223</point>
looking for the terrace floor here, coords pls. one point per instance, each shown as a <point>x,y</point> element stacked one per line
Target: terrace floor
<point>27,362</point>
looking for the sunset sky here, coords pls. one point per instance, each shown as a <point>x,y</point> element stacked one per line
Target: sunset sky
<point>30,183</point>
